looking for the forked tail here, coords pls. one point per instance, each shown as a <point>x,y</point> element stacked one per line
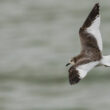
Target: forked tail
<point>106,61</point>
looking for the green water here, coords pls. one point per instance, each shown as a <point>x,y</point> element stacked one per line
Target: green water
<point>37,38</point>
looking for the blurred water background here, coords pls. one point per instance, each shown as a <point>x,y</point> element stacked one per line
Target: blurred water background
<point>37,38</point>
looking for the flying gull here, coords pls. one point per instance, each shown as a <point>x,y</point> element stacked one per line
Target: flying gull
<point>91,53</point>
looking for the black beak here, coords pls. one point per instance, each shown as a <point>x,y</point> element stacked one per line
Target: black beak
<point>67,64</point>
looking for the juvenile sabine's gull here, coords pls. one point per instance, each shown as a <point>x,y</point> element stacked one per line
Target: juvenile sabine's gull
<point>91,52</point>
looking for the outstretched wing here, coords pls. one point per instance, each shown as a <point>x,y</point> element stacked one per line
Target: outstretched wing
<point>80,70</point>
<point>89,32</point>
<point>85,68</point>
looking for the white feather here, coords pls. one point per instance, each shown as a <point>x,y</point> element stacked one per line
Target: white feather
<point>105,60</point>
<point>85,68</point>
<point>94,30</point>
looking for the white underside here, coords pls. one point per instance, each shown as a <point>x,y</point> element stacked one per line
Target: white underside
<point>85,68</point>
<point>94,30</point>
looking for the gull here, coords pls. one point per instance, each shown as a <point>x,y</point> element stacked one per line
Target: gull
<point>91,48</point>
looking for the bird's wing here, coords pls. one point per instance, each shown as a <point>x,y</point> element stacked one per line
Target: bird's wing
<point>85,68</point>
<point>80,69</point>
<point>89,32</point>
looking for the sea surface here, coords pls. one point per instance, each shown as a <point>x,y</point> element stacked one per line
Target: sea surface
<point>37,39</point>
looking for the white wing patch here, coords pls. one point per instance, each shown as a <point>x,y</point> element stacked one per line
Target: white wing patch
<point>94,30</point>
<point>85,68</point>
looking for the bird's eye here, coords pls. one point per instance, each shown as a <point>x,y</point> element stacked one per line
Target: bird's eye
<point>71,60</point>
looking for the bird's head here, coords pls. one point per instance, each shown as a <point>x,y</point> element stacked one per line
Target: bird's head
<point>70,62</point>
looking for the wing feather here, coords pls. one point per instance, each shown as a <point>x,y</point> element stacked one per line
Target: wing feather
<point>89,32</point>
<point>85,68</point>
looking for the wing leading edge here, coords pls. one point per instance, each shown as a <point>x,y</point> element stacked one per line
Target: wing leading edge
<point>89,32</point>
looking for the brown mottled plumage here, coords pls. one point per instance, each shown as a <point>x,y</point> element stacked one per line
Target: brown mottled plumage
<point>90,51</point>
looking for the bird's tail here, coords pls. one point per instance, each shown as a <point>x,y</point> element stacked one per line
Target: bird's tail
<point>106,61</point>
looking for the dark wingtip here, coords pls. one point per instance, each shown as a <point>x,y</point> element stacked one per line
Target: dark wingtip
<point>91,17</point>
<point>73,75</point>
<point>97,4</point>
<point>96,7</point>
